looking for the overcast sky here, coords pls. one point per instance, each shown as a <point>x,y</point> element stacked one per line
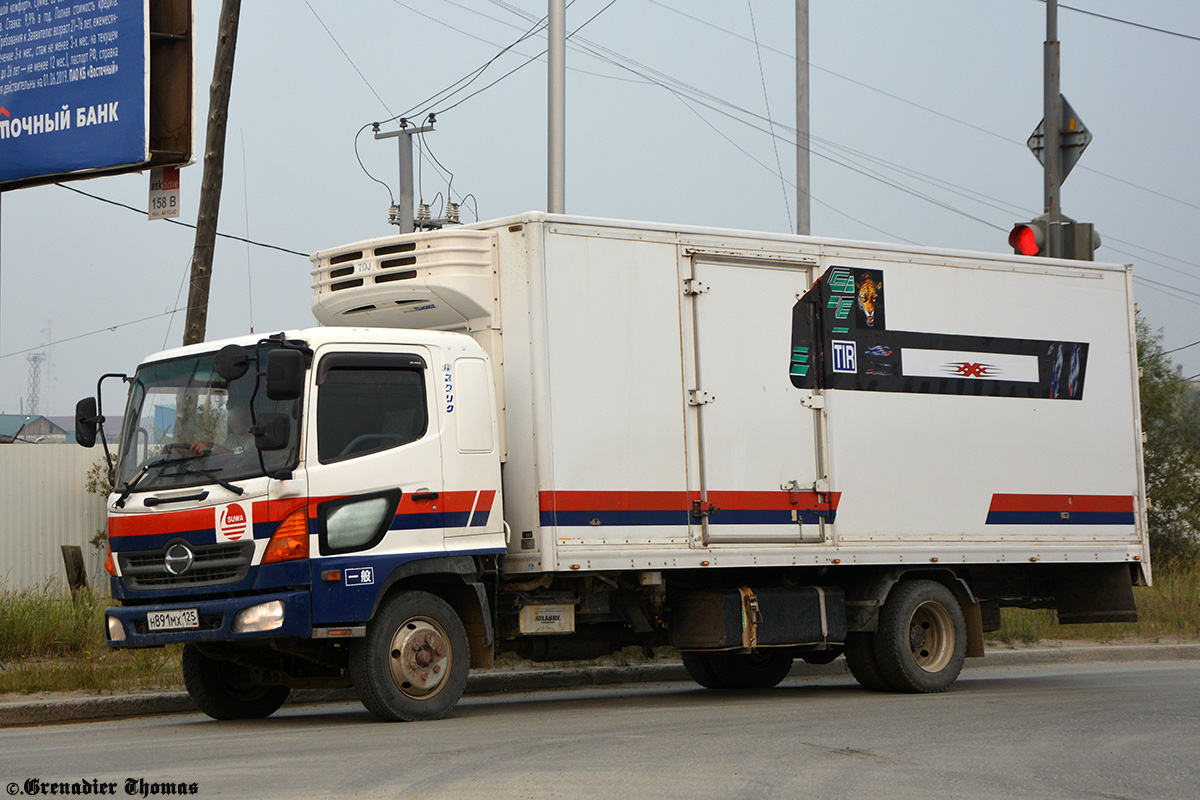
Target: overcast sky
<point>920,112</point>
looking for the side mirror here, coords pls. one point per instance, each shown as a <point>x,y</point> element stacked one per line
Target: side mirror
<point>232,361</point>
<point>285,375</point>
<point>271,433</point>
<point>86,420</point>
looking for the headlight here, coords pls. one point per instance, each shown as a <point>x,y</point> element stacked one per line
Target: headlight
<point>262,617</point>
<point>116,631</point>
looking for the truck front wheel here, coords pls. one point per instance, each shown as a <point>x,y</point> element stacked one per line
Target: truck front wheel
<point>922,638</point>
<point>225,690</point>
<point>414,660</point>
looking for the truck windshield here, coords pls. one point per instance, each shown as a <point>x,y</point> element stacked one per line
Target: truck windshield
<point>184,420</point>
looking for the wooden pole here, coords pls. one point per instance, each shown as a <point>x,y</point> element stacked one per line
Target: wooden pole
<point>214,172</point>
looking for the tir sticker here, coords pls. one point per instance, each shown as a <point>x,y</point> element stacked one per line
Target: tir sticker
<point>844,357</point>
<point>234,523</point>
<point>359,576</point>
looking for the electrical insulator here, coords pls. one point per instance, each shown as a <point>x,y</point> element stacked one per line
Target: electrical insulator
<point>394,214</point>
<point>423,212</point>
<point>452,213</point>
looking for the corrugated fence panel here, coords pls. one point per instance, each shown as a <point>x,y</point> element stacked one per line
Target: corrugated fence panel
<point>45,505</point>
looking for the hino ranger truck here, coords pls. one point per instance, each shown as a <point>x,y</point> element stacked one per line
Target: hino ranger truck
<point>563,436</point>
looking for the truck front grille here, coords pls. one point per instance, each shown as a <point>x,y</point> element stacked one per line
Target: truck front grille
<point>212,565</point>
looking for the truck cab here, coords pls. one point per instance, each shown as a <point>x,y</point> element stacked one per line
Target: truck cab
<point>270,491</point>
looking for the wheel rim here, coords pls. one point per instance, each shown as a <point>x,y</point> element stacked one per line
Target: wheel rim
<point>419,658</point>
<point>931,636</point>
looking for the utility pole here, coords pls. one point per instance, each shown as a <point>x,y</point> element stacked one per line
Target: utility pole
<point>214,171</point>
<point>402,214</point>
<point>1052,120</point>
<point>556,84</point>
<point>803,205</point>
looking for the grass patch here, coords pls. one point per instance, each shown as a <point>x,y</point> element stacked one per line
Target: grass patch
<point>1170,608</point>
<point>52,642</point>
<point>105,671</point>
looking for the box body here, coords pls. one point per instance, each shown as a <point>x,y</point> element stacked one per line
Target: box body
<point>678,397</point>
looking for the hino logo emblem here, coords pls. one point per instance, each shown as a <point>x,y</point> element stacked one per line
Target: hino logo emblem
<point>179,559</point>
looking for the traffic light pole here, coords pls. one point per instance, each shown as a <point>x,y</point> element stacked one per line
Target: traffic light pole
<point>1052,120</point>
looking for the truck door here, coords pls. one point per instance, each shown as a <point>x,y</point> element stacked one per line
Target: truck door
<point>373,452</point>
<point>758,462</point>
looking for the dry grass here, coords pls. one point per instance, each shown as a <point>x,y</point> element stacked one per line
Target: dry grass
<point>52,642</point>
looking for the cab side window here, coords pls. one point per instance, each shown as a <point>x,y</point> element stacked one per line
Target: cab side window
<point>368,402</point>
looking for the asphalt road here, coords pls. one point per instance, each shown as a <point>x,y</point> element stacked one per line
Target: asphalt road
<point>1125,730</point>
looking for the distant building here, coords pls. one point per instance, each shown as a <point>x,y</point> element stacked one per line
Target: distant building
<point>33,429</point>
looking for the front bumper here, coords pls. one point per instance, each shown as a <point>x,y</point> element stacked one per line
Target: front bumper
<point>216,620</point>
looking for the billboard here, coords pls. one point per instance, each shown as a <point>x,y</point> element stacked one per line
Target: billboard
<point>75,87</point>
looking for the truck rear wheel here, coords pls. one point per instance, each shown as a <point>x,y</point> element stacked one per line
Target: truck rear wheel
<point>860,658</point>
<point>699,666</point>
<point>414,660</point>
<point>224,690</point>
<point>922,639</point>
<point>761,669</point>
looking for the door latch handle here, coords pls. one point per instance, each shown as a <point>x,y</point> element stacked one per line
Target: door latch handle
<point>419,496</point>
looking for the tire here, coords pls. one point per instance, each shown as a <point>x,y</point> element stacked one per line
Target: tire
<point>413,662</point>
<point>922,638</point>
<point>860,658</point>
<point>759,670</point>
<point>225,690</point>
<point>699,666</point>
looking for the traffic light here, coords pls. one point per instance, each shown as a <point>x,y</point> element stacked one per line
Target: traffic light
<point>1079,240</point>
<point>1029,238</point>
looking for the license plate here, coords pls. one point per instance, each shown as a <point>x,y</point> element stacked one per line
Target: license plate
<point>172,620</point>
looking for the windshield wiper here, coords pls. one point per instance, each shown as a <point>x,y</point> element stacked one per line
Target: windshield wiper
<point>210,473</point>
<point>161,461</point>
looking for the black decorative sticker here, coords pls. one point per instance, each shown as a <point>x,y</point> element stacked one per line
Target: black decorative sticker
<point>840,340</point>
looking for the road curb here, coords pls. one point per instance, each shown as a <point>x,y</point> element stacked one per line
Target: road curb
<point>75,709</point>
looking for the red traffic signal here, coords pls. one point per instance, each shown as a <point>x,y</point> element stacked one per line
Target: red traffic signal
<point>1028,238</point>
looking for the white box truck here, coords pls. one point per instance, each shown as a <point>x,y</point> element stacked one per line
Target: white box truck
<point>561,435</point>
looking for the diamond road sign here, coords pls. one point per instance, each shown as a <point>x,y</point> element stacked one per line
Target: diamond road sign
<point>1073,138</point>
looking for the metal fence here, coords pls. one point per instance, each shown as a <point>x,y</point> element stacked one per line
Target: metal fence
<point>45,505</point>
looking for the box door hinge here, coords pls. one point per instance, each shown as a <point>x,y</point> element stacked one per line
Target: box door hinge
<point>693,287</point>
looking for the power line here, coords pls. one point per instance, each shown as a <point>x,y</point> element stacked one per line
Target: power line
<point>91,333</point>
<point>347,55</point>
<point>748,155</point>
<point>662,80</point>
<point>586,22</point>
<point>916,105</point>
<point>1177,349</point>
<point>179,222</point>
<point>762,75</point>
<point>1128,22</point>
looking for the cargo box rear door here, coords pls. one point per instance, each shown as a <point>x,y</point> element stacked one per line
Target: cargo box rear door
<point>757,459</point>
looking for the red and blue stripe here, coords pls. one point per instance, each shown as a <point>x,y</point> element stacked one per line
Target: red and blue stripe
<point>650,509</point>
<point>1061,509</point>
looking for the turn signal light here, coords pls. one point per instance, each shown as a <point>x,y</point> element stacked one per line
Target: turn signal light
<point>110,566</point>
<point>290,540</point>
